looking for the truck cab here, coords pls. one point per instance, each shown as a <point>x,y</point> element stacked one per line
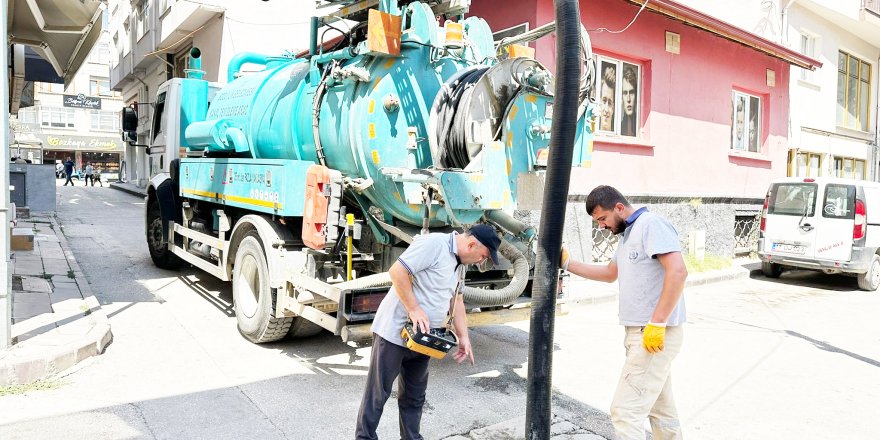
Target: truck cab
<point>826,224</point>
<point>167,127</point>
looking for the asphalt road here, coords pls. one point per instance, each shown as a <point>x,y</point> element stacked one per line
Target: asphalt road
<point>794,358</point>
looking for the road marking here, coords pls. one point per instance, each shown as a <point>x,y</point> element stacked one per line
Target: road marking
<point>109,204</point>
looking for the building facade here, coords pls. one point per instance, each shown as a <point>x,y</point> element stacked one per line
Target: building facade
<point>151,40</point>
<point>80,122</point>
<point>694,111</point>
<point>834,110</point>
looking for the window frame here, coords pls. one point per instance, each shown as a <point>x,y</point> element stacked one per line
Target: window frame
<point>103,116</point>
<point>850,199</point>
<point>617,116</point>
<point>68,113</point>
<point>808,44</point>
<point>748,101</point>
<point>840,169</point>
<point>844,78</point>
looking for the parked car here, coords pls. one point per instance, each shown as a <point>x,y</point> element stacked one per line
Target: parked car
<point>826,224</point>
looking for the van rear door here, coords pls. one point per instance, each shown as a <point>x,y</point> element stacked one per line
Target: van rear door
<point>835,223</point>
<point>790,228</point>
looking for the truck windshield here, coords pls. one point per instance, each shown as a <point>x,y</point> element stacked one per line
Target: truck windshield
<point>792,199</point>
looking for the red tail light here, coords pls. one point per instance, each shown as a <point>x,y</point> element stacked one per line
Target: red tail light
<point>860,220</point>
<point>764,212</point>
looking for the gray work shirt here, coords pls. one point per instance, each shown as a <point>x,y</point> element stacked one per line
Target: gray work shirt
<point>639,273</point>
<point>433,264</point>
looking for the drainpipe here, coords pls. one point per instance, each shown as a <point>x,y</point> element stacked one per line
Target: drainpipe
<point>6,289</point>
<point>876,133</point>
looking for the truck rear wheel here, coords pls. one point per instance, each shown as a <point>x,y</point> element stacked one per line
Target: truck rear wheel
<point>253,299</point>
<point>160,254</point>
<point>870,280</point>
<point>771,270</point>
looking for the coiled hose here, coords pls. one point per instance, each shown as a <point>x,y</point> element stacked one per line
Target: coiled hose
<point>507,294</point>
<point>451,126</point>
<point>472,296</point>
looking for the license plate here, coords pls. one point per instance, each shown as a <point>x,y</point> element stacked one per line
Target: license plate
<point>789,248</point>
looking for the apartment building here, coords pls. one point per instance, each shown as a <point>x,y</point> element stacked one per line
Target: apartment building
<point>151,40</point>
<point>834,109</point>
<point>80,121</point>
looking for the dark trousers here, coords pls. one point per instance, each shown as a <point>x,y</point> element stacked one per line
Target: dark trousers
<point>387,362</point>
<point>69,175</point>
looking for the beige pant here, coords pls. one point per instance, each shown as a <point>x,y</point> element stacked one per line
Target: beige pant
<point>645,389</point>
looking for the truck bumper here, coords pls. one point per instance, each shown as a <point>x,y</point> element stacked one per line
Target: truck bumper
<point>859,262</point>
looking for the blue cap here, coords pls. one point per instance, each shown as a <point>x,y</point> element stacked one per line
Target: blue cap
<point>487,236</point>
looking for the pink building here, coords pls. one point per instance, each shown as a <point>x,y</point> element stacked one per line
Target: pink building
<point>695,111</point>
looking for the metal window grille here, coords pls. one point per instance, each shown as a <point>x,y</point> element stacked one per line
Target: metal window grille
<point>604,245</point>
<point>745,230</point>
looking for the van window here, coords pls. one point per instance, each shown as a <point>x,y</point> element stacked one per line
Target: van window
<point>839,201</point>
<point>792,199</point>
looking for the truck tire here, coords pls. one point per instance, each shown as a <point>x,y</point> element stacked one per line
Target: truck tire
<point>160,254</point>
<point>870,280</point>
<point>771,270</point>
<point>253,299</point>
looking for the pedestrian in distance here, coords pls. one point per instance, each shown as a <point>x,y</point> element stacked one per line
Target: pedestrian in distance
<point>96,177</point>
<point>68,171</point>
<point>425,283</point>
<point>89,170</point>
<point>651,272</point>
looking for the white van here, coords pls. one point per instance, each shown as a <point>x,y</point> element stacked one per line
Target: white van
<point>827,224</point>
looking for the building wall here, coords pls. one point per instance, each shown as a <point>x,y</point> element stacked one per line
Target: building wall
<point>684,144</point>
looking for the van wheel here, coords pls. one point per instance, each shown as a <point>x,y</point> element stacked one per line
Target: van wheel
<point>870,280</point>
<point>254,300</point>
<point>771,270</point>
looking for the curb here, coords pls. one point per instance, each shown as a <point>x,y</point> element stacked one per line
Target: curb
<point>125,188</point>
<point>22,364</point>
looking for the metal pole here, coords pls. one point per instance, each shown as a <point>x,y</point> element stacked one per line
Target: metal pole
<point>6,289</point>
<point>546,279</point>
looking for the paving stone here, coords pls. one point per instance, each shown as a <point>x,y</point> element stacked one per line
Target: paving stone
<point>46,237</point>
<point>35,284</point>
<point>27,305</point>
<point>86,351</point>
<point>62,279</point>
<point>65,294</point>
<point>63,362</point>
<point>55,266</point>
<point>27,267</point>
<point>71,305</point>
<point>513,429</point>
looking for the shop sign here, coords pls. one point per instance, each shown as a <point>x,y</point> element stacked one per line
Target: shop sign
<point>84,143</point>
<point>82,101</point>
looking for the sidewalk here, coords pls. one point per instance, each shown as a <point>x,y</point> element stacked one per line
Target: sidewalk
<point>129,188</point>
<point>56,321</point>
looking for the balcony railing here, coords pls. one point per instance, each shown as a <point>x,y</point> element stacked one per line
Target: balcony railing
<point>872,5</point>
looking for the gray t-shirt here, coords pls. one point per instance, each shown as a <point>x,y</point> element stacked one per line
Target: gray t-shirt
<point>432,263</point>
<point>640,274</point>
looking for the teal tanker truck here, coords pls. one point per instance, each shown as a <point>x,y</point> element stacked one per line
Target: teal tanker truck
<point>302,183</point>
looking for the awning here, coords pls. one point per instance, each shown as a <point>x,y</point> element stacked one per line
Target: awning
<point>61,31</point>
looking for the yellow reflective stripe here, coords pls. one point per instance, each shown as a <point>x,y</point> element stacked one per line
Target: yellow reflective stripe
<point>231,198</point>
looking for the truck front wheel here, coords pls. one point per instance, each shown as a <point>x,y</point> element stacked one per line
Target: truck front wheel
<point>159,252</point>
<point>254,299</point>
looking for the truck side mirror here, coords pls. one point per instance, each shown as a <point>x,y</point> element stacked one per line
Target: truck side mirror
<point>129,124</point>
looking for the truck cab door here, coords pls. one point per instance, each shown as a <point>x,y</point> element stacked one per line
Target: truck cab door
<point>791,225</point>
<point>834,239</point>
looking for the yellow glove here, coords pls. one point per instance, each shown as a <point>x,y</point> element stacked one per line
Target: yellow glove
<point>564,259</point>
<point>653,336</point>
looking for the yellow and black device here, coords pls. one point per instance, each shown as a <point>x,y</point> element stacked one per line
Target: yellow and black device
<point>436,343</point>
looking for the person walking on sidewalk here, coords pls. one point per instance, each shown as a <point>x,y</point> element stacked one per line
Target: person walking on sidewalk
<point>651,274</point>
<point>89,170</point>
<point>68,171</point>
<point>424,284</point>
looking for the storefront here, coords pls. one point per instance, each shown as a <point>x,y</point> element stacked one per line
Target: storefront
<point>104,153</point>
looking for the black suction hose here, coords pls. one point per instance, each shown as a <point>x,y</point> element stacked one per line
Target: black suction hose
<point>451,126</point>
<point>546,277</point>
